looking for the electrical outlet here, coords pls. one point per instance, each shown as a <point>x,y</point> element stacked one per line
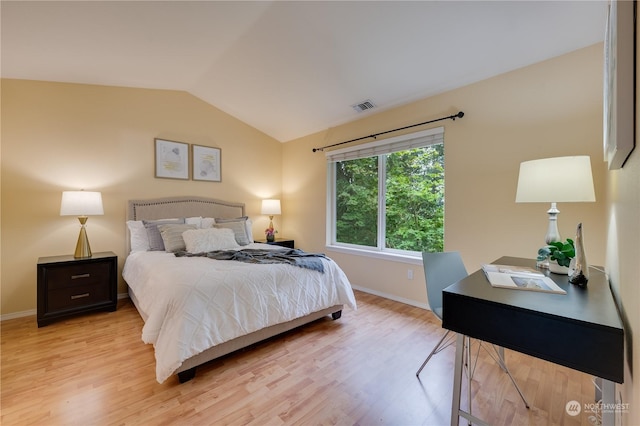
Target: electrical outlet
<point>409,274</point>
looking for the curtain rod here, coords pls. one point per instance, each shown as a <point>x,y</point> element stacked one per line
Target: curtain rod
<point>452,117</point>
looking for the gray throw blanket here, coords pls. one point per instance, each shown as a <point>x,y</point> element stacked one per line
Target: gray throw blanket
<point>292,257</point>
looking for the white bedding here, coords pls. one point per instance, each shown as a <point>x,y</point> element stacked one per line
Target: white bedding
<point>194,303</point>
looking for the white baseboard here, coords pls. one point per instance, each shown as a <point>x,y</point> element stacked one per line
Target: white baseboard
<point>34,312</point>
<point>392,297</point>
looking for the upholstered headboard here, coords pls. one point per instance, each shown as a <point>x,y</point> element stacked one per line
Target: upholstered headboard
<point>183,206</point>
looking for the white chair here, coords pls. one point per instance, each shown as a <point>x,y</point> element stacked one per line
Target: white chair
<point>440,271</point>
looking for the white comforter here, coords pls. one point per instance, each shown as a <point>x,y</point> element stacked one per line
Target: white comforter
<point>192,304</point>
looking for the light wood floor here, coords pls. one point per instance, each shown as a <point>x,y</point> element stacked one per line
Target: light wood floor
<point>358,370</point>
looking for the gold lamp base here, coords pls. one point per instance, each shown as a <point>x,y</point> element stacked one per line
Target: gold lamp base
<point>83,250</point>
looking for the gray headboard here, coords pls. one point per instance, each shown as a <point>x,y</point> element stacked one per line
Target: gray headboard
<point>182,206</point>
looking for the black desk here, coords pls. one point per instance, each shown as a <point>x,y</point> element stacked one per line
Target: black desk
<point>580,330</point>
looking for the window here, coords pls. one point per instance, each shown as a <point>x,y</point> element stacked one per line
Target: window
<point>389,195</point>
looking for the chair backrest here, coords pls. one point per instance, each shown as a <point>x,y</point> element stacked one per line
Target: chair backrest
<point>440,271</point>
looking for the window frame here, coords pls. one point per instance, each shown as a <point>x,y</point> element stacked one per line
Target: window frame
<point>380,149</point>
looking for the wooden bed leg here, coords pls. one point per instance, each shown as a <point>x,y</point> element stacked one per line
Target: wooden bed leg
<point>336,315</point>
<point>185,376</point>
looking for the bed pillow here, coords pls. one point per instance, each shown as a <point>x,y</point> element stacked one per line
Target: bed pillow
<point>155,239</point>
<point>196,220</point>
<point>207,222</point>
<point>172,236</point>
<point>210,239</point>
<point>138,239</point>
<point>239,228</point>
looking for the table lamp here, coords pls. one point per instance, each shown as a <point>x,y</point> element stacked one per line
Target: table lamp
<point>271,208</point>
<point>81,204</point>
<point>554,180</point>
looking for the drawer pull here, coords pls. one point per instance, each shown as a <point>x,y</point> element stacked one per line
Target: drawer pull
<point>75,277</point>
<point>79,296</point>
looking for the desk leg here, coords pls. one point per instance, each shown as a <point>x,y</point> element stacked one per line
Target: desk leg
<point>456,412</point>
<point>608,401</point>
<point>457,380</point>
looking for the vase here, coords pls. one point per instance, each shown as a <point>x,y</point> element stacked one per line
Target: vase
<point>579,270</point>
<point>271,238</point>
<point>557,269</point>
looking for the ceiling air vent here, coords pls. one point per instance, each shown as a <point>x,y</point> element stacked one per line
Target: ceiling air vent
<point>363,106</point>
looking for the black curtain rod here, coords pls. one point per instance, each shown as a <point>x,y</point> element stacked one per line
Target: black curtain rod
<point>452,117</point>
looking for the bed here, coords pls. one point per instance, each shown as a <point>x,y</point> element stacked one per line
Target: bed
<point>195,308</point>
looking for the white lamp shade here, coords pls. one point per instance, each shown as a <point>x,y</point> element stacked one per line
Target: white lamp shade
<point>271,207</point>
<point>553,180</point>
<point>81,203</point>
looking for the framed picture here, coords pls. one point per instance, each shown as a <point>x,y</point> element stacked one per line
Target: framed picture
<point>206,163</point>
<point>172,159</point>
<point>619,48</point>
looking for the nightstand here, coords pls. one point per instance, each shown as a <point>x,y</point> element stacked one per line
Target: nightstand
<point>69,286</point>
<point>279,242</point>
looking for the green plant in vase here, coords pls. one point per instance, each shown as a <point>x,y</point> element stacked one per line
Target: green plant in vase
<point>559,252</point>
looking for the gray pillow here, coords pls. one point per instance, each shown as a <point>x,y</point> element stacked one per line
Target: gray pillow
<point>155,239</point>
<point>239,228</point>
<point>172,236</point>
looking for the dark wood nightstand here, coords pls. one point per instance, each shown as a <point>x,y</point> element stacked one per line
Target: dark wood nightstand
<point>279,242</point>
<point>69,286</point>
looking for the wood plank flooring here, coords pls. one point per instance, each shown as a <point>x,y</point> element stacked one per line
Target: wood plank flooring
<point>358,370</point>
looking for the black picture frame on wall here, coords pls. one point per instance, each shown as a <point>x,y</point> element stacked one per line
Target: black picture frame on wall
<point>619,83</point>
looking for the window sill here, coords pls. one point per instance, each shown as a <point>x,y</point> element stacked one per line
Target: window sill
<point>393,257</point>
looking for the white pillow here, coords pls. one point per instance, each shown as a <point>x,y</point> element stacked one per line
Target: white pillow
<point>196,220</point>
<point>210,239</point>
<point>249,226</point>
<point>138,238</point>
<point>207,222</point>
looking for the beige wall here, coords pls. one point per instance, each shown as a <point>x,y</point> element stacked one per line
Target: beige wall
<point>59,137</point>
<point>623,255</point>
<point>553,108</point>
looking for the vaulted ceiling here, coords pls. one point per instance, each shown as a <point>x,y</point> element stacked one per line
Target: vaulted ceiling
<point>290,68</point>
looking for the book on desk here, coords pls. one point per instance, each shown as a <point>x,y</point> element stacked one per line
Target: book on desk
<point>519,278</point>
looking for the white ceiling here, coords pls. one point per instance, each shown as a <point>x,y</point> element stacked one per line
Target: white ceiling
<point>290,68</point>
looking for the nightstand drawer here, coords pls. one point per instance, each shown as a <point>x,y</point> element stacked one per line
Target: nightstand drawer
<point>78,296</point>
<point>64,276</point>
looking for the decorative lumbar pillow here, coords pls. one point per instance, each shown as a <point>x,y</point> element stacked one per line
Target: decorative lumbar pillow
<point>155,239</point>
<point>172,236</point>
<point>239,228</point>
<point>138,239</point>
<point>209,239</point>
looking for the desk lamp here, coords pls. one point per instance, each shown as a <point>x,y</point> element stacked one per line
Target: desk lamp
<point>81,204</point>
<point>553,180</point>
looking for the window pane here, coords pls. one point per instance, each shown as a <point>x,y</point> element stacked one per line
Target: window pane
<point>415,199</point>
<point>357,201</point>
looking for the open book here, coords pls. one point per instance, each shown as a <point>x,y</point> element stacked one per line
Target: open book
<point>519,277</point>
